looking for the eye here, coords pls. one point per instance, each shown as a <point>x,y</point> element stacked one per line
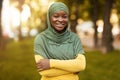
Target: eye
<point>55,16</point>
<point>65,16</point>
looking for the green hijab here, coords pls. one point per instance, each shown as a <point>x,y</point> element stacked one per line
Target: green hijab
<point>53,35</point>
<point>53,45</point>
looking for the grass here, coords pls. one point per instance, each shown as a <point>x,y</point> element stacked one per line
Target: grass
<point>17,63</point>
<point>101,66</point>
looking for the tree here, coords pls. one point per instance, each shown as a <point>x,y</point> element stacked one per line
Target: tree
<point>107,38</point>
<point>76,14</point>
<point>21,2</point>
<point>95,18</point>
<point>1,37</point>
<point>19,6</point>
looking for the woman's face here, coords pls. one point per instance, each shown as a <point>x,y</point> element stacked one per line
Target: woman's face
<point>59,21</point>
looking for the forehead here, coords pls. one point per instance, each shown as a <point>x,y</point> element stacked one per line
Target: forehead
<point>60,12</point>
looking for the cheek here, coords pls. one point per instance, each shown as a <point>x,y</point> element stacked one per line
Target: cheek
<point>52,21</point>
<point>66,21</point>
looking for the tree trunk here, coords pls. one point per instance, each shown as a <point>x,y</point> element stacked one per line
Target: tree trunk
<point>74,21</point>
<point>107,38</point>
<point>21,2</point>
<point>95,18</point>
<point>1,36</point>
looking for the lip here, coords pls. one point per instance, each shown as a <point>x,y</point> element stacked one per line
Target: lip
<point>60,24</point>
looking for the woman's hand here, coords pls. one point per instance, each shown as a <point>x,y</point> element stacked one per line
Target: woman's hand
<point>43,64</point>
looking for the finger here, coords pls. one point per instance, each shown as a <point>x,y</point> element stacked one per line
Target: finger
<point>39,69</point>
<point>39,61</point>
<point>38,64</point>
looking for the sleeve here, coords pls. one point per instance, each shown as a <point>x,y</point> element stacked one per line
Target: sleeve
<point>52,71</point>
<point>74,65</point>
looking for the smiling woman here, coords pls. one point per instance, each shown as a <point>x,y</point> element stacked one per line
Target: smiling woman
<point>58,52</point>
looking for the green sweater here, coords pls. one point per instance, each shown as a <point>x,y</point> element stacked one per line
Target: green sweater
<point>68,49</point>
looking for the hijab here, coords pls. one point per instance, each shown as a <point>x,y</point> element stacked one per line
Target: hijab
<point>53,35</point>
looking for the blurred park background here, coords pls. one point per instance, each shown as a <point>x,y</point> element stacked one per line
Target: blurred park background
<point>97,22</point>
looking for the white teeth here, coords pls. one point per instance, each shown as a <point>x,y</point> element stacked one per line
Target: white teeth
<point>60,25</point>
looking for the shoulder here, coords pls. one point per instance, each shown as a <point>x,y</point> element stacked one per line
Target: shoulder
<point>39,37</point>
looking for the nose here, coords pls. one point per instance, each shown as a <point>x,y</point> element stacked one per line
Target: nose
<point>60,19</point>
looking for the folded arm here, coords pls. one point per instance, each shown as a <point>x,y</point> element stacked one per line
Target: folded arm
<point>51,71</point>
<point>74,65</point>
<point>63,66</point>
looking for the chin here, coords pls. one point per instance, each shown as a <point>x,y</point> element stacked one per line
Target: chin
<point>60,30</point>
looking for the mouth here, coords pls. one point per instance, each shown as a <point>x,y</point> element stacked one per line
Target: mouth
<point>60,25</point>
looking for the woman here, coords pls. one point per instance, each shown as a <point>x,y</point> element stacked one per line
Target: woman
<point>58,52</point>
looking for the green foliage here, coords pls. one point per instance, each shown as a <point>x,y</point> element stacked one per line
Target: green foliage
<point>17,63</point>
<point>117,2</point>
